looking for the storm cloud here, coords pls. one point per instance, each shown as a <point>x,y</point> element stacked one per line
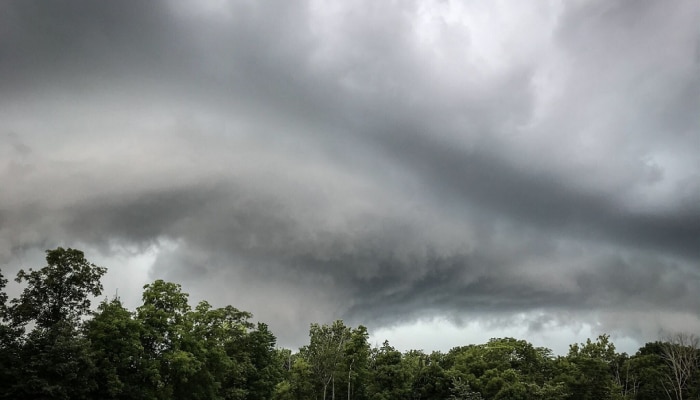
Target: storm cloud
<point>377,162</point>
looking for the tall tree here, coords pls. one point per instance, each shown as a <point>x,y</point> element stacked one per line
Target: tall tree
<point>166,331</point>
<point>650,372</point>
<point>114,337</point>
<point>55,364</point>
<point>357,352</point>
<point>221,333</point>
<point>3,298</point>
<point>391,379</point>
<point>10,363</point>
<point>461,391</point>
<point>590,374</point>
<point>430,380</point>
<point>325,353</point>
<point>59,291</point>
<point>265,372</point>
<point>299,384</point>
<point>680,352</point>
<point>55,357</point>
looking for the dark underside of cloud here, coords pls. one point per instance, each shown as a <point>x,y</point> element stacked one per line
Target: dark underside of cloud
<point>378,163</point>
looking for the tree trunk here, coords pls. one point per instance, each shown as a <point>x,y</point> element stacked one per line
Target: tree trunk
<point>349,375</point>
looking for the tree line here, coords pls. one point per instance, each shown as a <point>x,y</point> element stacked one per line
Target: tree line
<point>53,345</point>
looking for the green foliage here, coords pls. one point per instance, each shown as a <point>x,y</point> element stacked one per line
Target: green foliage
<point>391,377</point>
<point>9,346</point>
<point>59,291</point>
<point>590,370</point>
<point>3,298</point>
<point>217,333</point>
<point>326,354</point>
<point>265,372</point>
<point>53,360</point>
<point>163,317</point>
<point>462,391</point>
<point>51,347</point>
<point>115,340</point>
<point>357,353</point>
<point>299,384</point>
<point>649,372</point>
<point>429,380</point>
<point>55,364</point>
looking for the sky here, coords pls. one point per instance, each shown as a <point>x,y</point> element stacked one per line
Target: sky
<point>440,171</point>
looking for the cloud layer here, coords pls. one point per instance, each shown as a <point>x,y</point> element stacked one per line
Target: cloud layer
<point>380,163</point>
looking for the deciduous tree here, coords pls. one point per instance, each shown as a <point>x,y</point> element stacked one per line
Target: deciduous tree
<point>325,353</point>
<point>59,291</point>
<point>680,352</point>
<point>115,341</point>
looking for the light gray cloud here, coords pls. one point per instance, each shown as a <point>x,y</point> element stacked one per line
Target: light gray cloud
<point>380,163</point>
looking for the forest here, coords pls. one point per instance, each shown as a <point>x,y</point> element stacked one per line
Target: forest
<point>55,345</point>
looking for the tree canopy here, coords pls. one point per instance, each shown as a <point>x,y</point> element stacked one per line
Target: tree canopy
<point>54,345</point>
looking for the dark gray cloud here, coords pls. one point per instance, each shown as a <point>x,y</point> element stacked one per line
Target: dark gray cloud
<point>379,163</point>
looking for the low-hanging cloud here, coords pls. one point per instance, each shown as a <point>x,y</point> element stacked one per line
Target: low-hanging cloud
<point>379,163</point>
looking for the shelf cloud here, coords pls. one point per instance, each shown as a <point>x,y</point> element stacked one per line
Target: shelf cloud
<point>377,162</point>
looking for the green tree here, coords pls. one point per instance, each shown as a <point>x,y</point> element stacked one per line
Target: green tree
<point>506,368</point>
<point>326,352</point>
<point>462,391</point>
<point>650,371</point>
<point>357,352</point>
<point>3,298</point>
<point>55,357</point>
<point>265,372</point>
<point>56,364</point>
<point>237,350</point>
<point>625,377</point>
<point>115,341</point>
<point>59,291</point>
<point>10,362</point>
<point>299,384</point>
<point>166,339</point>
<point>430,380</point>
<point>221,333</point>
<point>390,379</point>
<point>588,370</point>
<point>468,364</point>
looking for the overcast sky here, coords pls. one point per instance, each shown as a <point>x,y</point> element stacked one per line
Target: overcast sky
<point>439,171</point>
